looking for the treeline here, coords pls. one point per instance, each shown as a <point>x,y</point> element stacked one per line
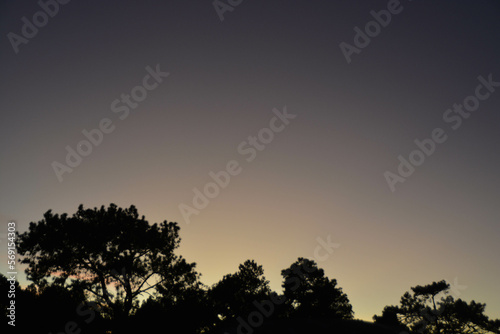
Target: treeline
<point>108,270</point>
<point>241,302</point>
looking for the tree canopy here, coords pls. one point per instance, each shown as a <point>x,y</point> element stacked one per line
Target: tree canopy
<point>420,312</point>
<point>309,292</point>
<point>234,294</point>
<point>109,269</point>
<point>112,254</point>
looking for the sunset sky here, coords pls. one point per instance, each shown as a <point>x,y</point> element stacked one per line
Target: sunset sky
<point>321,172</point>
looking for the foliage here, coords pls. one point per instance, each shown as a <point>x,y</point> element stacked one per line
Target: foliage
<point>110,253</point>
<point>421,312</point>
<point>234,295</point>
<point>109,270</point>
<point>309,293</point>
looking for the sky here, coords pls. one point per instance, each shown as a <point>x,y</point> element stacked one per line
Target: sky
<point>372,124</point>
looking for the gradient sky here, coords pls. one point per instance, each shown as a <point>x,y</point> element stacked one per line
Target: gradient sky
<point>322,175</point>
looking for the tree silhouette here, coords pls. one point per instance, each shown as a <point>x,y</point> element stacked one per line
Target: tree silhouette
<point>422,313</point>
<point>466,318</point>
<point>110,253</point>
<point>108,270</point>
<point>309,293</point>
<point>427,293</point>
<point>234,295</point>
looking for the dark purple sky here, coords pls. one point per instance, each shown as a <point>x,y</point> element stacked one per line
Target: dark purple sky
<point>321,173</point>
